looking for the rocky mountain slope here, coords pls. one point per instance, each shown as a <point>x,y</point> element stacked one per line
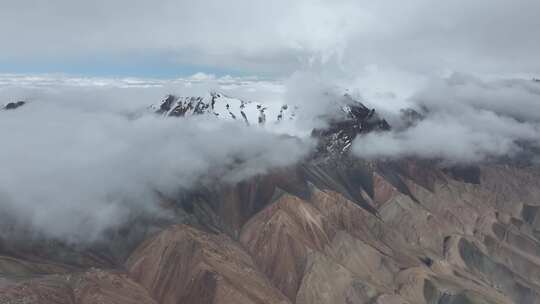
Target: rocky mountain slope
<point>331,229</point>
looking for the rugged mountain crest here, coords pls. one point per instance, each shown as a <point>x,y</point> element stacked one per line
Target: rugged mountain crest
<point>350,118</point>
<point>187,265</point>
<point>280,238</point>
<point>13,105</point>
<point>224,107</point>
<point>357,119</point>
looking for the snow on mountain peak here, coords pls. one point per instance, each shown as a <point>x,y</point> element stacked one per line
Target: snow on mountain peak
<point>351,117</point>
<point>224,107</point>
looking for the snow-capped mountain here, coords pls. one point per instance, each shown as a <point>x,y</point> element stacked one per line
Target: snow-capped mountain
<point>349,118</point>
<point>224,107</point>
<point>355,119</point>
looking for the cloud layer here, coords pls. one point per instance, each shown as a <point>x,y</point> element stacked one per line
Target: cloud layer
<point>466,120</point>
<point>277,37</point>
<point>75,162</point>
<point>81,151</point>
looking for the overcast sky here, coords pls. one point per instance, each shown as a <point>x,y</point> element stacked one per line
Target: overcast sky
<point>271,38</point>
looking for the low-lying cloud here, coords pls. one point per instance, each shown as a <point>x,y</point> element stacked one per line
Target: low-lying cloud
<point>85,155</point>
<point>466,119</point>
<point>73,167</point>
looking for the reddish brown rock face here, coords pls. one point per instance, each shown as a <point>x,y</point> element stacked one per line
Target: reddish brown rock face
<point>383,191</point>
<point>185,265</point>
<point>393,233</point>
<point>280,238</point>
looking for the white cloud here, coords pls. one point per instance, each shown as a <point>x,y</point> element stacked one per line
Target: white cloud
<point>467,120</point>
<point>279,36</point>
<point>75,163</point>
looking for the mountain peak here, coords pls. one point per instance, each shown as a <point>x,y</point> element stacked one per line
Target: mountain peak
<point>338,136</point>
<point>14,105</point>
<point>352,118</point>
<point>222,106</point>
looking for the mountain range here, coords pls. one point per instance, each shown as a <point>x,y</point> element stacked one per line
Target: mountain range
<point>331,229</point>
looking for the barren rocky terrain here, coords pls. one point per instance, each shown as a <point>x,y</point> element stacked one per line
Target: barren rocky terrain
<point>332,229</point>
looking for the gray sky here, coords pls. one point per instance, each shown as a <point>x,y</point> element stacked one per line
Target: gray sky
<point>256,37</point>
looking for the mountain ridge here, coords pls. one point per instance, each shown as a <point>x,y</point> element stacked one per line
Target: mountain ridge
<point>333,228</point>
